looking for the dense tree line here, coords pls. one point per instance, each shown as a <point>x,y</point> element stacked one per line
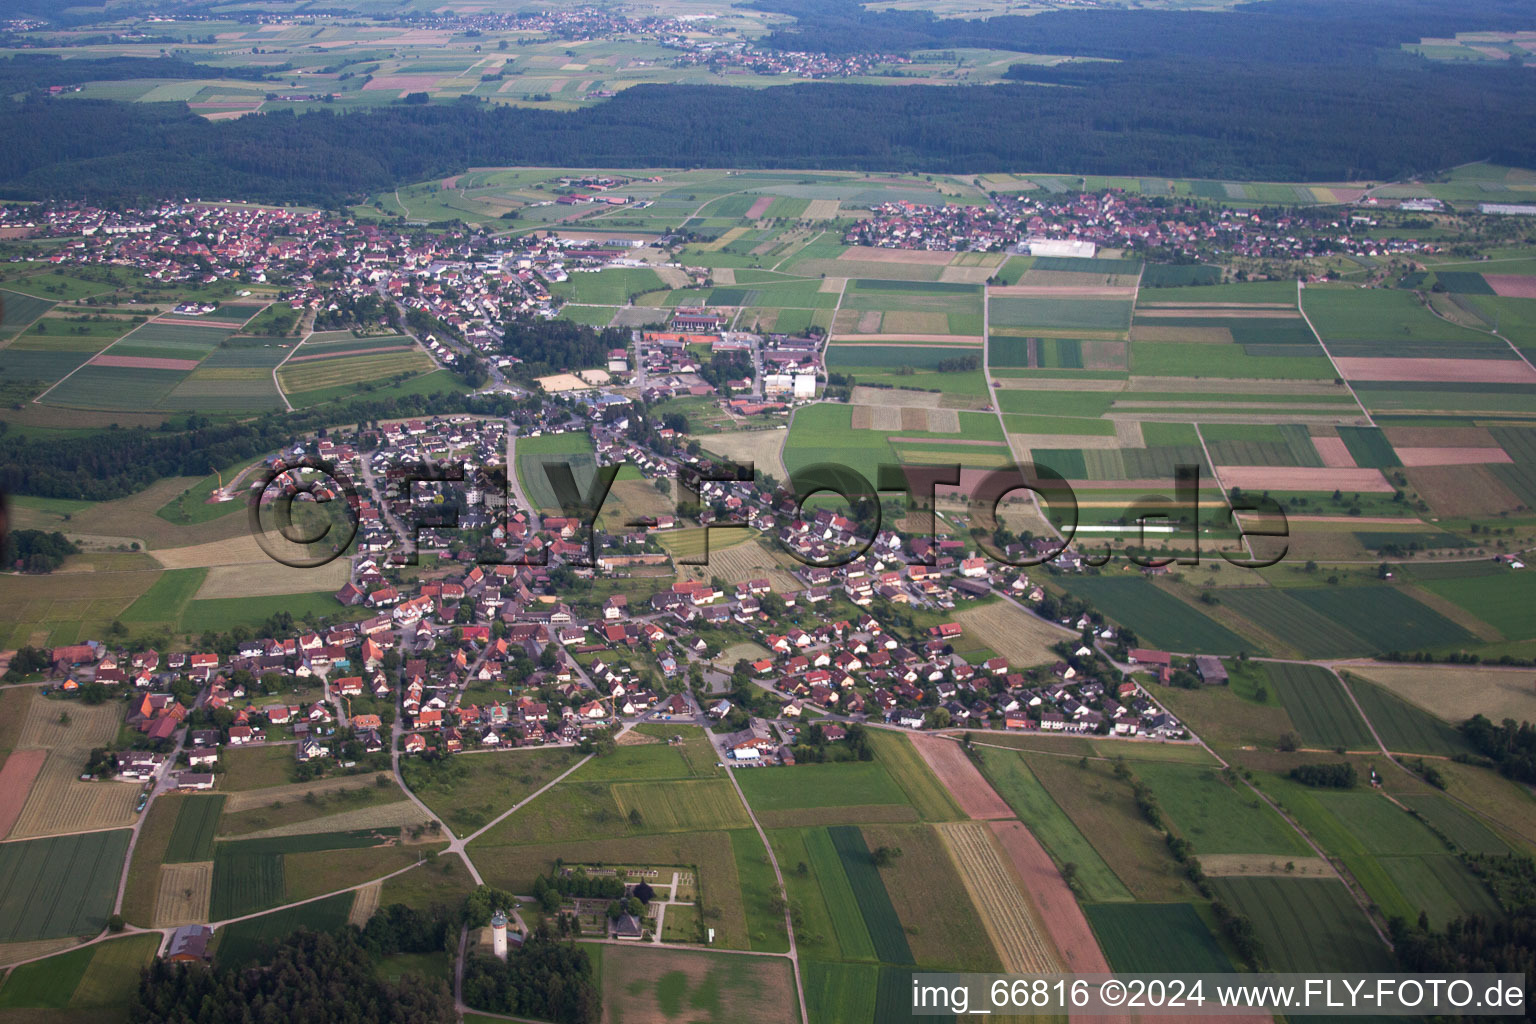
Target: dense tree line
<point>549,346</point>
<point>542,978</point>
<point>116,462</point>
<point>36,550</point>
<point>398,928</point>
<point>1328,776</point>
<point>30,71</point>
<point>1474,944</point>
<point>579,883</point>
<point>309,976</point>
<point>1511,746</point>
<point>1197,118</point>
<point>1294,31</point>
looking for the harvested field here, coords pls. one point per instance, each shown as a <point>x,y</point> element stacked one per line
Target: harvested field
<point>869,322</point>
<point>14,952</point>
<point>270,579</point>
<point>881,396</point>
<point>964,781</point>
<point>885,417</point>
<point>657,986</point>
<point>957,341</point>
<point>762,448</point>
<point>244,800</point>
<point>871,254</point>
<point>1219,312</point>
<point>16,779</point>
<point>1518,286</point>
<point>1334,452</point>
<point>821,209</point>
<point>1012,920</point>
<point>401,813</point>
<point>1024,639</point>
<point>1256,864</point>
<point>905,321</point>
<point>364,902</point>
<point>1467,371</point>
<point>145,362</point>
<point>1451,456</point>
<point>59,802</point>
<point>1440,437</point>
<point>741,562</point>
<point>1055,442</point>
<point>1454,692</point>
<point>183,894</point>
<point>1463,490</point>
<point>1303,478</point>
<point>1061,291</point>
<point>1211,335</point>
<point>87,727</point>
<point>1067,928</point>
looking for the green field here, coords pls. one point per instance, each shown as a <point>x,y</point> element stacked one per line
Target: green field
<point>874,903</point>
<point>1159,618</point>
<point>102,978</point>
<point>1385,617</point>
<point>1016,784</point>
<point>840,784</point>
<point>1155,937</point>
<point>196,823</point>
<point>842,908</point>
<point>164,602</point>
<point>244,883</point>
<point>1503,600</point>
<point>1217,816</point>
<point>924,791</point>
<point>1319,707</point>
<point>683,805</point>
<point>1313,634</point>
<point>1061,313</point>
<point>1306,924</point>
<point>759,890</point>
<point>1460,827</point>
<point>242,942</point>
<point>844,993</point>
<point>1348,314</point>
<point>60,886</point>
<point>1403,727</point>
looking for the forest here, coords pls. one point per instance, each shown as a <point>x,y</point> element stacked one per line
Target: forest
<point>1287,31</point>
<point>549,346</point>
<point>1215,117</point>
<point>300,981</point>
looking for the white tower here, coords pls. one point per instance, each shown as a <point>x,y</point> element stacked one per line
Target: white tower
<point>499,934</point>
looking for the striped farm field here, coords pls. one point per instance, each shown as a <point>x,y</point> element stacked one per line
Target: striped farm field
<point>60,802</point>
<point>1009,917</point>
<point>1319,706</point>
<point>183,894</point>
<point>114,387</point>
<point>869,893</point>
<point>364,903</point>
<point>51,888</point>
<point>196,823</point>
<point>682,805</point>
<point>328,373</point>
